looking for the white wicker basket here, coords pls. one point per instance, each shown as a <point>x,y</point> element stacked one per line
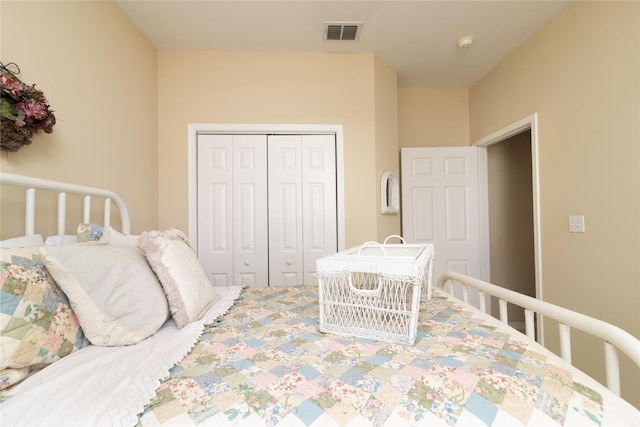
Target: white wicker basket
<point>374,290</point>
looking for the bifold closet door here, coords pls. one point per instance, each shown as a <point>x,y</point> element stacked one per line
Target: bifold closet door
<point>302,206</point>
<point>232,209</point>
<point>319,201</point>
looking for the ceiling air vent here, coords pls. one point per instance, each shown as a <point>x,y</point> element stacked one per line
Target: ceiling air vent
<point>342,31</point>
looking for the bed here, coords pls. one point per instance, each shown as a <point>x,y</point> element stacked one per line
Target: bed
<point>185,353</point>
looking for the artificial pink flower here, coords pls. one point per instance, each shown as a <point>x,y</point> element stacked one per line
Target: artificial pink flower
<point>26,106</point>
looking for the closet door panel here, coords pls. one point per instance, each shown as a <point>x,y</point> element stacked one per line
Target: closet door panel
<point>266,207</point>
<point>250,233</point>
<point>285,210</point>
<point>320,228</point>
<point>215,213</point>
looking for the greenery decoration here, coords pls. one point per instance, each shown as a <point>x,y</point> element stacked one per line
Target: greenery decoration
<point>24,110</point>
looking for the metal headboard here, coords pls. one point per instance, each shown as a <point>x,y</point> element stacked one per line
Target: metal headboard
<point>62,188</point>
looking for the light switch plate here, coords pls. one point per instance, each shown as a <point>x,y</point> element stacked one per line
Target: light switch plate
<point>576,223</point>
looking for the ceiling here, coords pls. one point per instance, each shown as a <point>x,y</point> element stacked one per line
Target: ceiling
<point>417,38</point>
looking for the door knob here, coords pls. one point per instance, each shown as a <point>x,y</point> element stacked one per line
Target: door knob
<point>289,261</point>
<point>247,262</point>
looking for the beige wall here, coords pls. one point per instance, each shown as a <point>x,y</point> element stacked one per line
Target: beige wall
<point>99,74</point>
<point>433,117</point>
<point>580,73</point>
<point>387,150</point>
<point>274,88</point>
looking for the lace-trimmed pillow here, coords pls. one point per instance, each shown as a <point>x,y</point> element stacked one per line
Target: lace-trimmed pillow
<point>37,324</point>
<point>111,287</point>
<point>185,283</point>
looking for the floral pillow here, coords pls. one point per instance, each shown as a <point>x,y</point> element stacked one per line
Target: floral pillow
<point>85,233</point>
<point>37,324</point>
<point>89,233</point>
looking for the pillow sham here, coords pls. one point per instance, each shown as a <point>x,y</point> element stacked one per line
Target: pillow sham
<point>113,291</point>
<point>188,290</point>
<point>22,241</point>
<point>89,232</point>
<point>61,239</point>
<point>85,233</point>
<point>37,323</point>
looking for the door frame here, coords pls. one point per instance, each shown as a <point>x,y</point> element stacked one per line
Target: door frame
<point>522,125</point>
<point>194,129</point>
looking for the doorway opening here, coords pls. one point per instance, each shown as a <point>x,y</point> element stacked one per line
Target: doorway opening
<point>513,211</point>
<point>511,219</point>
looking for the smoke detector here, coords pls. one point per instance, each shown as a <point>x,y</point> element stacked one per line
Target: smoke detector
<point>342,31</point>
<point>465,42</point>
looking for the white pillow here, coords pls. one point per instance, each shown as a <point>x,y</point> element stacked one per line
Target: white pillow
<point>112,290</point>
<point>22,241</point>
<point>62,239</point>
<point>185,283</point>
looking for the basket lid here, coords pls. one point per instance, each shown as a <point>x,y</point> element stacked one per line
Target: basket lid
<point>401,259</point>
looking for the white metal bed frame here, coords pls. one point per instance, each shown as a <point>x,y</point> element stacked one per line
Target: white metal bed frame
<point>614,337</point>
<point>62,188</point>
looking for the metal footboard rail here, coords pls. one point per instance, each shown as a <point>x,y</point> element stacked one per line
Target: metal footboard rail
<point>614,337</point>
<point>62,188</point>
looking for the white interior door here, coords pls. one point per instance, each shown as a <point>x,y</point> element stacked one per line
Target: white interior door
<point>267,207</point>
<point>319,219</point>
<point>232,209</point>
<point>285,210</point>
<point>302,206</point>
<point>215,208</point>
<point>441,205</point>
<point>250,238</point>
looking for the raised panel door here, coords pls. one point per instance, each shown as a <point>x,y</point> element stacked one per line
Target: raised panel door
<point>440,205</point>
<point>232,209</point>
<point>215,208</point>
<point>250,232</point>
<point>285,210</point>
<point>320,226</point>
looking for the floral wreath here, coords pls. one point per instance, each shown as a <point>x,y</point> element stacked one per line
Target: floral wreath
<point>24,110</point>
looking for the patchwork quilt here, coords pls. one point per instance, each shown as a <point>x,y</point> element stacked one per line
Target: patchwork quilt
<point>265,363</point>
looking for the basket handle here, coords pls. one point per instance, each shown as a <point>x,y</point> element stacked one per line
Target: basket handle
<point>372,243</point>
<point>365,292</point>
<point>392,236</point>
